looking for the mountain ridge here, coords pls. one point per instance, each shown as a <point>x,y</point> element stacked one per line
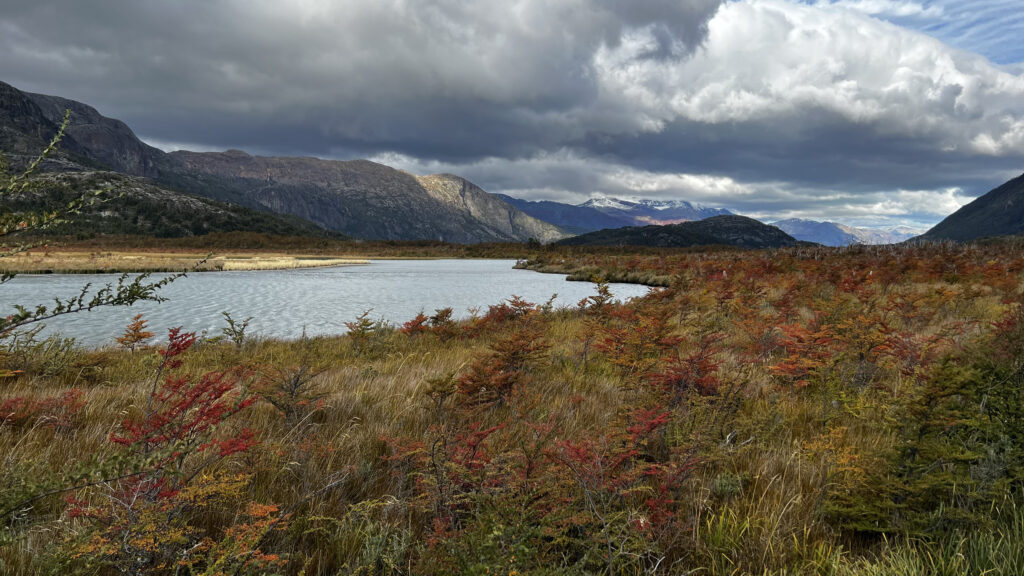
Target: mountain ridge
<point>835,234</point>
<point>725,230</point>
<point>357,198</point>
<point>602,212</point>
<point>999,212</point>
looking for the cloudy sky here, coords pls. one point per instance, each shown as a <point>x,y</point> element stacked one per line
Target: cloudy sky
<point>870,112</point>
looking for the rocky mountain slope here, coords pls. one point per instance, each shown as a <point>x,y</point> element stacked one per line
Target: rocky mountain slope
<point>105,141</point>
<point>137,206</point>
<point>358,198</point>
<point>1000,212</point>
<point>718,230</point>
<point>92,145</point>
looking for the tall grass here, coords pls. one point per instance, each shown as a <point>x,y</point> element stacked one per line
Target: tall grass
<point>769,466</point>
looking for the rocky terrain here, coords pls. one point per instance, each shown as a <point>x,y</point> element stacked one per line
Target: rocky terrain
<point>135,205</point>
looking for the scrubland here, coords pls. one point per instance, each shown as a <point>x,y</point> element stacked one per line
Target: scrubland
<point>804,411</point>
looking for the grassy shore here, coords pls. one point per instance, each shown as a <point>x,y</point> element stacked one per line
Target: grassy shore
<point>58,261</point>
<point>768,413</point>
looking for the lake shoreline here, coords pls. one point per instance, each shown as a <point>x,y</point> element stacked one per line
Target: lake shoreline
<point>139,262</point>
<point>288,303</point>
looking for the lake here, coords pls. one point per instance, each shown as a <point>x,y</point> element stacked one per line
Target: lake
<point>283,303</point>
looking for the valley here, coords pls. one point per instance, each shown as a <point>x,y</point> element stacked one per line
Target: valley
<point>377,370</point>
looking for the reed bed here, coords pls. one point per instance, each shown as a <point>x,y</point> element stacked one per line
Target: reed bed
<point>73,262</point>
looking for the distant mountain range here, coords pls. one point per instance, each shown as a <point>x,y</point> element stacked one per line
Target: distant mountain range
<point>1000,212</point>
<point>602,212</point>
<point>571,218</point>
<point>360,198</point>
<point>728,230</point>
<point>833,234</point>
<point>642,212</point>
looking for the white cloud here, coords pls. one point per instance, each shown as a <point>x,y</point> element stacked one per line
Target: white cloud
<point>889,8</point>
<point>773,60</point>
<point>820,109</point>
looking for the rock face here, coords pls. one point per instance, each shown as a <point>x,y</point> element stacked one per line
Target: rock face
<point>357,198</point>
<point>25,129</point>
<point>497,216</point>
<point>997,213</point>
<point>109,142</point>
<point>737,231</point>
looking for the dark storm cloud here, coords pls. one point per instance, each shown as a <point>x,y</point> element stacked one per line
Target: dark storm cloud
<point>460,78</point>
<point>768,106</point>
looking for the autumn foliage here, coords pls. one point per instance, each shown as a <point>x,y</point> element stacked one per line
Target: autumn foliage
<point>802,411</point>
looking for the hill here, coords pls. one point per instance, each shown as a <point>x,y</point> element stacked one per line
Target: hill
<point>139,207</point>
<point>1000,212</point>
<point>737,231</point>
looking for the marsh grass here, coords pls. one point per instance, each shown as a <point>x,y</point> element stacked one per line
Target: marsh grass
<point>45,261</point>
<point>770,461</point>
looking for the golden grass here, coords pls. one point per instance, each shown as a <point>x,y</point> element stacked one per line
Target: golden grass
<point>42,261</point>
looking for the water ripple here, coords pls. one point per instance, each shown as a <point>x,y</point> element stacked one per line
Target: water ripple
<point>284,302</point>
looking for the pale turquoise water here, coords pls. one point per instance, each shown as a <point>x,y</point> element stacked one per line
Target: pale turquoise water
<point>320,300</point>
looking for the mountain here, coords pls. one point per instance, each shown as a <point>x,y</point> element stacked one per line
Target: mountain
<point>137,206</point>
<point>24,129</point>
<point>601,212</point>
<point>893,235</point>
<point>357,198</point>
<point>1000,212</point>
<point>827,233</point>
<point>92,145</point>
<point>833,234</point>
<point>653,211</point>
<point>105,141</point>
<point>569,217</point>
<point>721,230</point>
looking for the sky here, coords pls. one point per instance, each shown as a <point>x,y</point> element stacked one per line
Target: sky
<point>865,112</point>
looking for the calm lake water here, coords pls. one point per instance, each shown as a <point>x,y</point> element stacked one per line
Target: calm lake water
<point>320,300</point>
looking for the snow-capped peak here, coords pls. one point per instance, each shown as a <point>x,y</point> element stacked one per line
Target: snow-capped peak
<point>602,201</point>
